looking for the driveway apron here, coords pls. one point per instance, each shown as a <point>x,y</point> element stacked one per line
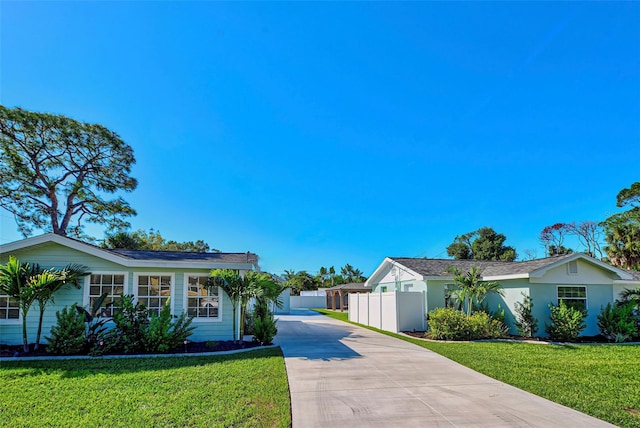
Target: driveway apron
<point>341,375</point>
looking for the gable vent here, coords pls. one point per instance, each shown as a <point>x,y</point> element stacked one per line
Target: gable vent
<point>572,268</point>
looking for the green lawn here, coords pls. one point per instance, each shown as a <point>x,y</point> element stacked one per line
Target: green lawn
<point>600,380</point>
<point>241,390</point>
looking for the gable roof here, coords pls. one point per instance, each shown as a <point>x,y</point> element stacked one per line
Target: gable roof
<point>492,270</point>
<point>142,258</point>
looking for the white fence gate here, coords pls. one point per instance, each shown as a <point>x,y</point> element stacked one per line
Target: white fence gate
<point>394,311</point>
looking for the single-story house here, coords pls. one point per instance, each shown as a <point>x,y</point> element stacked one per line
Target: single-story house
<point>575,278</point>
<point>155,278</point>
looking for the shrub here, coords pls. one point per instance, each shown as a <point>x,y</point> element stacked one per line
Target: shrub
<point>483,326</point>
<point>68,335</point>
<point>526,323</point>
<point>617,322</point>
<point>451,324</point>
<point>161,335</point>
<point>264,329</point>
<point>448,324</point>
<point>566,322</point>
<point>128,333</point>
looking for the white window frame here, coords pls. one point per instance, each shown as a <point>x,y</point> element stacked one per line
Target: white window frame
<point>172,286</point>
<point>585,298</point>
<point>10,321</point>
<point>574,263</point>
<point>221,295</point>
<point>87,285</point>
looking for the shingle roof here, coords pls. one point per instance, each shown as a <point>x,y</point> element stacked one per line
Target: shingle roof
<point>186,256</point>
<point>442,267</point>
<point>352,286</point>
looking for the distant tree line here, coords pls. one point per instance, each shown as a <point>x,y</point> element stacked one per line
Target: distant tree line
<point>326,277</point>
<point>152,241</point>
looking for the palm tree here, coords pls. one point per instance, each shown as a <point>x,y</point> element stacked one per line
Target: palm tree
<point>15,282</point>
<point>628,295</point>
<point>322,274</point>
<point>332,274</point>
<point>471,288</point>
<point>240,290</point>
<point>48,282</point>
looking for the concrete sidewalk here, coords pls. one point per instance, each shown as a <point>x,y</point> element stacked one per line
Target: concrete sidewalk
<point>341,375</point>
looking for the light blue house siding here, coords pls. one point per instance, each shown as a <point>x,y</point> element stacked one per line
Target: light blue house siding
<point>54,255</point>
<point>540,279</point>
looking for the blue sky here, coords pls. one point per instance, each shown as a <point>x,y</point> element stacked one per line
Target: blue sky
<point>321,133</point>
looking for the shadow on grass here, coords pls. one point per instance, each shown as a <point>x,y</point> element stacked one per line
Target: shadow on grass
<point>74,368</point>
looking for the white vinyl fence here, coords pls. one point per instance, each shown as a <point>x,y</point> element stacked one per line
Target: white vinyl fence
<point>308,302</point>
<point>394,311</point>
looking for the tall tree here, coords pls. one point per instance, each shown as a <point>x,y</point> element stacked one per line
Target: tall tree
<point>482,244</point>
<point>589,234</point>
<point>552,238</point>
<point>56,173</point>
<point>152,241</point>
<point>622,230</point>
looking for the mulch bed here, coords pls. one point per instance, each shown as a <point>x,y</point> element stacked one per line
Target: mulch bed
<point>190,348</point>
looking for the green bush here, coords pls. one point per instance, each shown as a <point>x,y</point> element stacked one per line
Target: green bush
<point>617,322</point>
<point>161,335</point>
<point>526,323</point>
<point>451,324</point>
<point>264,329</point>
<point>448,324</point>
<point>68,335</point>
<point>128,333</point>
<point>566,322</point>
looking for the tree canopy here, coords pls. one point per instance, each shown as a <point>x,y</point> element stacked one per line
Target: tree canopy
<point>152,241</point>
<point>622,230</point>
<point>56,173</point>
<point>482,244</point>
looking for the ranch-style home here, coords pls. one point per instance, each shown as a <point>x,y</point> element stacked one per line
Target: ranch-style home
<point>575,278</point>
<point>153,277</point>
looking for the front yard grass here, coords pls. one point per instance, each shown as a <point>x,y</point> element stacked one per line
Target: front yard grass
<point>600,380</point>
<point>242,390</point>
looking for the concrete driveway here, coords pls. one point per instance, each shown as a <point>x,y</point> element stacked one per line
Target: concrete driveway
<point>341,375</point>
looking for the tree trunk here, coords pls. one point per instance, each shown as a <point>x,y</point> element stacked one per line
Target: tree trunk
<point>25,342</point>
<point>37,345</point>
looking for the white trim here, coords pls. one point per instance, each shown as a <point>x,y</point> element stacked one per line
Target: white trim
<point>585,298</point>
<point>389,261</point>
<point>505,277</point>
<point>185,304</point>
<point>622,281</point>
<point>116,258</point>
<point>172,286</point>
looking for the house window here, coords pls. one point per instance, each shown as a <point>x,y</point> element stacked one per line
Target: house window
<point>202,302</point>
<point>572,268</point>
<point>153,291</point>
<point>9,309</point>
<point>573,296</point>
<point>112,285</point>
<point>383,289</point>
<point>450,297</point>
